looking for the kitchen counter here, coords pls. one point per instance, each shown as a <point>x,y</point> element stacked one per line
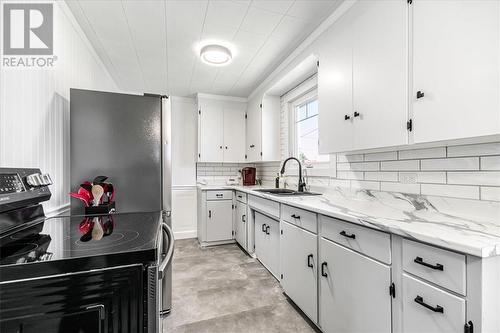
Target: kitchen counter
<point>467,226</point>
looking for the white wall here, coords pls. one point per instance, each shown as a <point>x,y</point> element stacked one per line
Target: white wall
<point>34,105</point>
<point>184,150</point>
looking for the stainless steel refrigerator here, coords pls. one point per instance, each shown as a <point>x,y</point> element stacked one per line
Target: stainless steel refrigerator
<point>127,138</point>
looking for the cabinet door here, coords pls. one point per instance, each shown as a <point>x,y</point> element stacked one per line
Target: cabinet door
<point>240,224</point>
<point>234,135</point>
<point>211,134</point>
<point>219,220</point>
<point>273,246</point>
<point>271,108</point>
<point>299,267</point>
<point>354,296</point>
<point>335,90</point>
<point>260,238</point>
<point>380,73</point>
<point>456,63</point>
<point>254,122</point>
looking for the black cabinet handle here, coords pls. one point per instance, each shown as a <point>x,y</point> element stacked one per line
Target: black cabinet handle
<point>293,216</point>
<point>251,146</point>
<point>226,147</point>
<point>243,218</point>
<point>437,308</point>
<point>267,230</point>
<point>356,114</point>
<point>209,214</point>
<point>263,228</point>
<point>220,147</point>
<point>239,196</point>
<point>219,195</point>
<point>421,261</point>
<point>345,234</point>
<point>420,94</point>
<point>323,266</point>
<point>309,258</point>
<point>346,117</point>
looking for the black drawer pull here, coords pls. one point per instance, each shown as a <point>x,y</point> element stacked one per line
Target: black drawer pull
<point>309,263</point>
<point>346,117</point>
<point>252,146</point>
<point>420,94</point>
<point>437,308</point>
<point>263,228</point>
<point>209,214</point>
<point>219,195</point>
<point>239,196</point>
<point>243,218</point>
<point>267,230</point>
<point>323,273</point>
<point>293,216</point>
<point>345,234</point>
<point>421,261</point>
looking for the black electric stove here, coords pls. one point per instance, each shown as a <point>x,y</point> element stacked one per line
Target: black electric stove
<point>96,273</point>
<point>64,244</point>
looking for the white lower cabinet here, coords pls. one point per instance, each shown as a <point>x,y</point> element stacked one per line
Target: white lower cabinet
<point>299,267</point>
<point>267,242</point>
<point>430,309</point>
<point>219,220</point>
<point>240,224</point>
<point>354,291</point>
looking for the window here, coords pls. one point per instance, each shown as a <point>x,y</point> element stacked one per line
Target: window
<point>304,132</point>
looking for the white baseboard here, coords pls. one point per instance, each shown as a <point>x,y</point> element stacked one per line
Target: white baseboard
<point>185,234</point>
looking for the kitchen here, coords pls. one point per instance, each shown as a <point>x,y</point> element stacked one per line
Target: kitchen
<point>250,166</point>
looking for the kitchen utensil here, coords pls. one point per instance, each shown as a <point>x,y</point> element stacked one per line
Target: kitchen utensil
<point>97,231</point>
<point>97,192</point>
<point>83,198</point>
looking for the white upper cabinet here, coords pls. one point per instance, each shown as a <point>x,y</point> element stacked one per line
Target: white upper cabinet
<point>263,129</point>
<point>456,64</point>
<point>335,90</point>
<point>221,129</point>
<point>210,133</point>
<point>362,79</point>
<point>380,74</point>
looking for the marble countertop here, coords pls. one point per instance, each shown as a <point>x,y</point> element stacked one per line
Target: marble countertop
<point>467,226</point>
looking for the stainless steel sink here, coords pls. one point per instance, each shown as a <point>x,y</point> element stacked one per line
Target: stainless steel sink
<point>285,192</point>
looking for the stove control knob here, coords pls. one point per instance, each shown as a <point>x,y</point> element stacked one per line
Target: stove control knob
<point>46,180</point>
<point>34,180</point>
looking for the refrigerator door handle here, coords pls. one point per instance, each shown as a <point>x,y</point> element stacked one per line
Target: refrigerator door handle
<point>168,254</point>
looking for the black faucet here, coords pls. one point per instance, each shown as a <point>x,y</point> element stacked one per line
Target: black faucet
<point>302,184</point>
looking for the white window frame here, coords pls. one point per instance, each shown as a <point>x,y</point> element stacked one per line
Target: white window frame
<point>292,140</point>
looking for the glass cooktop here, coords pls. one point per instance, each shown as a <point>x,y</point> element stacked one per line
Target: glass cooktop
<point>61,238</point>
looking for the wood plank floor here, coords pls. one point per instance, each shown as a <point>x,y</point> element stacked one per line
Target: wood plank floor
<point>222,290</point>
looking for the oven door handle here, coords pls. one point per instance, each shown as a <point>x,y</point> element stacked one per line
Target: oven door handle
<point>167,256</point>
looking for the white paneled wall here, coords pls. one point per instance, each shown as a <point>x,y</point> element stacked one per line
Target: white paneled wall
<point>34,105</point>
<point>184,150</point>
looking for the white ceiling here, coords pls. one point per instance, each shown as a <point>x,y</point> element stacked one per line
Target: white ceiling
<point>150,45</point>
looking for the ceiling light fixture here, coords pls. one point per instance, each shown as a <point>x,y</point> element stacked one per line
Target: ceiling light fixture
<point>214,54</point>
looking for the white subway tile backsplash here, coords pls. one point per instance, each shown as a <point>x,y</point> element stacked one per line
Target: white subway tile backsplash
<point>475,150</point>
<point>390,176</point>
<point>363,184</point>
<point>409,165</point>
<point>426,177</point>
<point>443,164</point>
<point>490,163</point>
<point>365,166</point>
<point>386,156</point>
<point>334,182</point>
<point>422,153</point>
<point>349,158</point>
<point>488,178</point>
<point>490,193</point>
<point>350,174</point>
<point>456,191</point>
<point>343,166</point>
<point>399,187</point>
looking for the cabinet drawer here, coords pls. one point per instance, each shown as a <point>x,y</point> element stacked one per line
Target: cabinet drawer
<point>241,196</point>
<point>430,309</point>
<point>299,217</point>
<point>373,243</point>
<point>442,267</point>
<point>264,205</point>
<point>220,195</point>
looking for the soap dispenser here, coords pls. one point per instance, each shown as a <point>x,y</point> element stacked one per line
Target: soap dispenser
<point>277,181</point>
